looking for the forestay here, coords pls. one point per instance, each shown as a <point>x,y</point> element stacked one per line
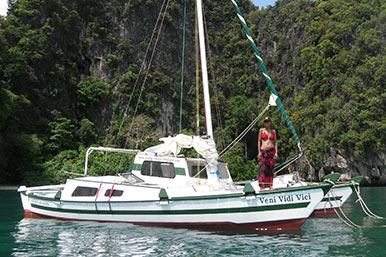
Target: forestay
<point>265,73</point>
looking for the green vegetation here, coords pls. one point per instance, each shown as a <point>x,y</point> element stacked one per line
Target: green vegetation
<point>68,70</point>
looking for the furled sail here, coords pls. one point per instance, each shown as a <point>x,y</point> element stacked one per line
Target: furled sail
<point>206,147</point>
<point>265,73</point>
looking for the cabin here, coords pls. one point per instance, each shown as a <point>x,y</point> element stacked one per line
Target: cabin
<point>148,174</point>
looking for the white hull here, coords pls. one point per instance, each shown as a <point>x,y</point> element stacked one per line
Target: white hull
<point>334,199</point>
<point>275,210</point>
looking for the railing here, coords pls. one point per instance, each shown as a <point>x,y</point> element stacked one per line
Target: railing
<point>106,149</point>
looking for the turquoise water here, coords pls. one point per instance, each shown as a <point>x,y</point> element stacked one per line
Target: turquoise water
<point>319,236</point>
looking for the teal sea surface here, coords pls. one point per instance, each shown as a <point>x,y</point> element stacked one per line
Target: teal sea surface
<point>318,237</point>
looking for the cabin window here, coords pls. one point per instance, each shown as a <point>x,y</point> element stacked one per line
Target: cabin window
<point>194,169</point>
<point>158,169</point>
<point>222,169</point>
<point>115,192</point>
<point>85,191</point>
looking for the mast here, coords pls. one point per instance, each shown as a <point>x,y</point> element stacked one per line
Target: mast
<point>213,178</point>
<point>205,84</point>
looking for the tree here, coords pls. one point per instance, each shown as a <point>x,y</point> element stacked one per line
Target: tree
<point>140,131</point>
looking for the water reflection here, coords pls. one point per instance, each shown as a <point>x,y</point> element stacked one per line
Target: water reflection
<point>46,237</point>
<point>319,237</point>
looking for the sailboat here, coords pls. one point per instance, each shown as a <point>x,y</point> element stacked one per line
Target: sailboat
<point>165,188</point>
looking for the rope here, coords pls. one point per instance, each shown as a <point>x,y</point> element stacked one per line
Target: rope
<point>289,162</point>
<point>197,89</point>
<point>219,122</point>
<point>366,209</point>
<point>197,78</point>
<point>147,72</point>
<point>198,173</point>
<point>129,169</point>
<point>242,134</point>
<point>348,222</point>
<point>125,115</point>
<point>182,66</point>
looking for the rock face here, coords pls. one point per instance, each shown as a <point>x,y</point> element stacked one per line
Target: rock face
<point>372,167</point>
<point>166,123</point>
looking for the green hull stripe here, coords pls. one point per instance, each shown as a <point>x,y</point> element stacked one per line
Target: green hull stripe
<point>325,187</point>
<point>327,199</point>
<point>179,212</point>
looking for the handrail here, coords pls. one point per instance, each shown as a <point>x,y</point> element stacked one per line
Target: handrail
<point>284,164</point>
<point>73,173</point>
<point>106,149</point>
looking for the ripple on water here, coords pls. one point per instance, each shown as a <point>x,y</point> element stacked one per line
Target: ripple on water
<point>43,237</point>
<point>319,237</point>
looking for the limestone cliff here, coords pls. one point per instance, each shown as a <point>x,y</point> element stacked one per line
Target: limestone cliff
<point>70,77</point>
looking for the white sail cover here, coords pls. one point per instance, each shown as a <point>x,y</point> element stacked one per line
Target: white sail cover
<point>205,147</point>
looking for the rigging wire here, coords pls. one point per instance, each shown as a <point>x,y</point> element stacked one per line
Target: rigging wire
<point>197,86</point>
<point>197,76</point>
<point>147,72</point>
<point>284,165</point>
<point>245,131</point>
<point>182,66</point>
<point>218,114</point>
<point>125,114</point>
